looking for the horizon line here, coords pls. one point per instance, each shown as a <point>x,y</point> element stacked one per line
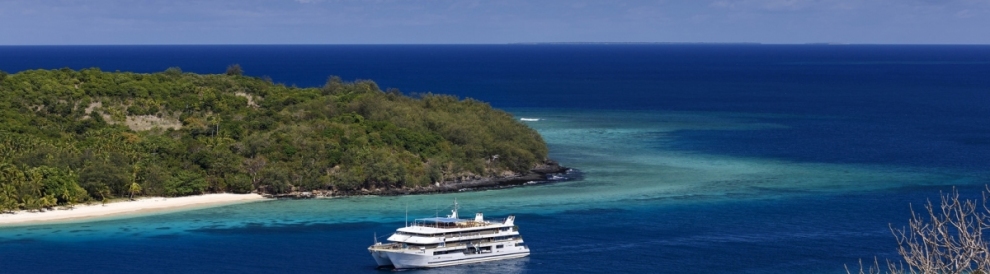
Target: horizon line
<point>521,43</point>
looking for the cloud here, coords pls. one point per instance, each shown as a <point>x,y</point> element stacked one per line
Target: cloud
<point>776,5</point>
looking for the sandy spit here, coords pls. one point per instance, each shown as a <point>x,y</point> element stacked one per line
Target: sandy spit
<point>136,207</point>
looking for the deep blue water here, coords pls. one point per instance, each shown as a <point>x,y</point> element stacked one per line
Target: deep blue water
<point>695,158</point>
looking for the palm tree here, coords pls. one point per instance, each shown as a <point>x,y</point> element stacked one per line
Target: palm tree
<point>135,187</point>
<point>67,196</point>
<point>8,198</point>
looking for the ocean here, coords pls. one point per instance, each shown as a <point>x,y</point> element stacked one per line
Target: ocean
<point>687,158</point>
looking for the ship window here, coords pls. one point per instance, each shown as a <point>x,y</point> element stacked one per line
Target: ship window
<point>498,246</point>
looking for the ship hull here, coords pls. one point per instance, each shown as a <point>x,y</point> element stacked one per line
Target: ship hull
<point>381,257</point>
<point>414,260</point>
<point>436,242</point>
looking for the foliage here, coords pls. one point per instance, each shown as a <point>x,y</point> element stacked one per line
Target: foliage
<point>69,136</point>
<point>134,188</point>
<point>235,70</point>
<point>37,188</point>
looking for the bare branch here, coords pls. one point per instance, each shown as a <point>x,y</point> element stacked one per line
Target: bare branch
<point>943,239</point>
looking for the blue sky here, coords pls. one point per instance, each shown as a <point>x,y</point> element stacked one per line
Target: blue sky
<point>72,22</point>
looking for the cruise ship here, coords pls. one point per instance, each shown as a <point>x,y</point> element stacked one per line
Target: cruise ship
<point>439,241</point>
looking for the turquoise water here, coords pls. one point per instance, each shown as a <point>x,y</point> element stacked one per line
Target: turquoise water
<point>774,159</point>
<point>629,199</point>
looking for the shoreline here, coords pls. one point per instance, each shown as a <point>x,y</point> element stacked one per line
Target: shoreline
<point>91,212</point>
<point>548,172</point>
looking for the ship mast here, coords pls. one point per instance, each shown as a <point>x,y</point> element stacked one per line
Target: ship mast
<point>454,211</point>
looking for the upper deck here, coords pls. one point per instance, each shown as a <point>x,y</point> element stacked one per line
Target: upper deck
<point>439,225</point>
<point>435,231</point>
<point>441,230</point>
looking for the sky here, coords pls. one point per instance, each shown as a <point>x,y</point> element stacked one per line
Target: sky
<point>130,22</point>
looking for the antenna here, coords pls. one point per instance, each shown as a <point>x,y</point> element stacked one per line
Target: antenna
<point>454,211</point>
<point>407,215</point>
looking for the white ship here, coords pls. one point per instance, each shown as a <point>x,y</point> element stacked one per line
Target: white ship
<point>435,242</point>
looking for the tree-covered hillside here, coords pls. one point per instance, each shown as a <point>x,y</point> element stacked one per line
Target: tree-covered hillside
<point>69,136</point>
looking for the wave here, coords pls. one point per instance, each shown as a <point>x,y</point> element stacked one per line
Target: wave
<point>529,119</point>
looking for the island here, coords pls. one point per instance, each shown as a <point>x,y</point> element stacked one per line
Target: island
<point>87,136</point>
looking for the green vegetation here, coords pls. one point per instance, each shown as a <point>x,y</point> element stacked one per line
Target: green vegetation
<point>72,136</point>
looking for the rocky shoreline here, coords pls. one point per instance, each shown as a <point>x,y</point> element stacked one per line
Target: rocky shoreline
<point>549,171</point>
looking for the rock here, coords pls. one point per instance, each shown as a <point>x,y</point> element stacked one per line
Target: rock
<point>539,173</point>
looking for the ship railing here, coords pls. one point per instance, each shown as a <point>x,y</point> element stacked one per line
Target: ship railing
<point>388,246</point>
<point>456,234</point>
<point>470,243</point>
<point>450,225</point>
<point>471,234</point>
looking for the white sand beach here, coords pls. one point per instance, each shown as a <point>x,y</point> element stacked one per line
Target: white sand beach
<point>138,206</point>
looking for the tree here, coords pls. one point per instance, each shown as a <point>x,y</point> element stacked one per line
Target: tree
<point>135,188</point>
<point>67,196</point>
<point>185,183</point>
<point>253,166</point>
<point>235,70</point>
<point>8,198</point>
<point>239,183</point>
<point>943,239</point>
<point>173,72</point>
<point>99,174</point>
<point>104,192</point>
<point>87,128</point>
